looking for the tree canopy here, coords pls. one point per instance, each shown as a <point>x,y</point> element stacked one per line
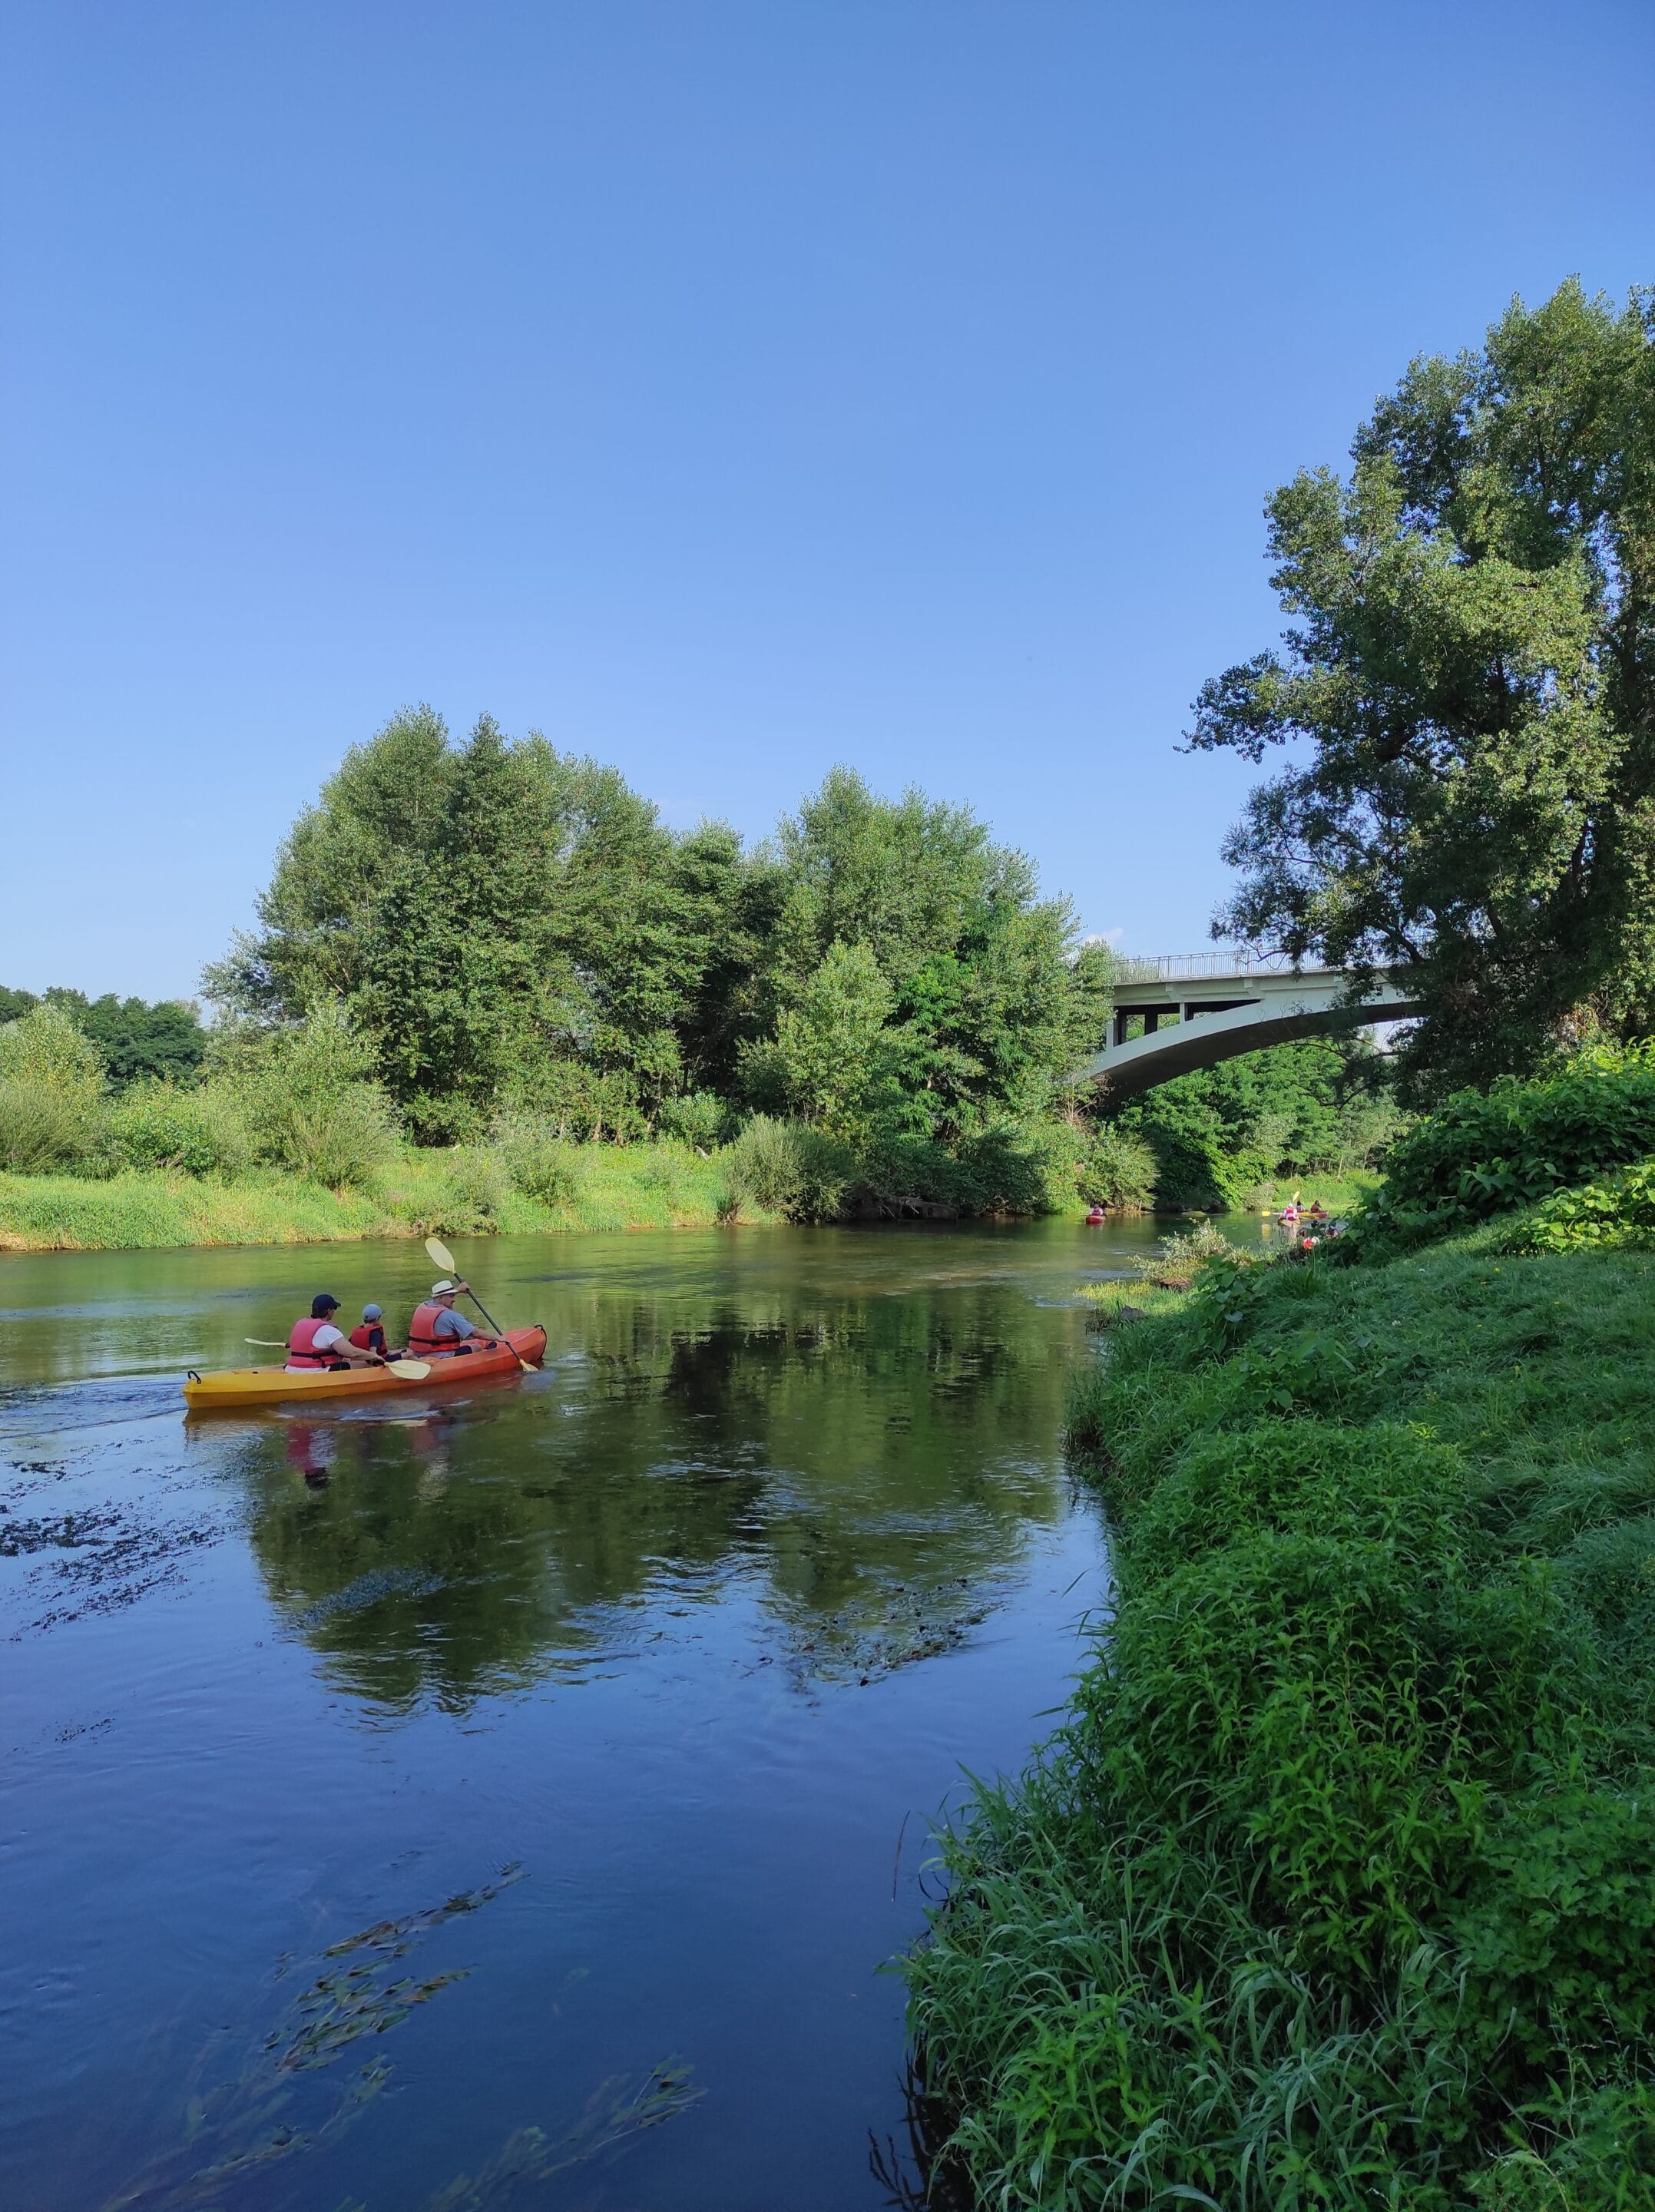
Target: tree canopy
<point>514,926</point>
<point>1472,667</point>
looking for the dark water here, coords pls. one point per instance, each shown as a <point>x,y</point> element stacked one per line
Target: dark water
<point>510,1800</point>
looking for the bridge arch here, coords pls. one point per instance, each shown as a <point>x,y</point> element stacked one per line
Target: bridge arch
<point>1221,1006</point>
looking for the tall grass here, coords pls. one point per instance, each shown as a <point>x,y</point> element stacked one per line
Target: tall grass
<point>1338,1888</point>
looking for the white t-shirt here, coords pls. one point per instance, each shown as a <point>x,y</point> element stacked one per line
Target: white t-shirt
<point>322,1343</point>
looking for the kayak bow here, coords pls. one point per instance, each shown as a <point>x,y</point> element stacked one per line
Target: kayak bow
<point>275,1386</point>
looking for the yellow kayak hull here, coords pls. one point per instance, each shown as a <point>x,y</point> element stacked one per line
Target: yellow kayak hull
<point>274,1386</point>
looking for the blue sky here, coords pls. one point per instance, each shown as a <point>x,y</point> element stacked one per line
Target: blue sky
<point>727,390</point>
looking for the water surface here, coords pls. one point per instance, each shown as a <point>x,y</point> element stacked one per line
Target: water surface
<point>510,1798</point>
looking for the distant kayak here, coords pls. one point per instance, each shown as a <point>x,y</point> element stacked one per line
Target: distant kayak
<point>275,1386</point>
<point>1096,1217</point>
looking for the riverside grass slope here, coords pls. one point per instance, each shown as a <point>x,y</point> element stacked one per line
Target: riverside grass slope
<point>657,1186</point>
<point>1337,1889</point>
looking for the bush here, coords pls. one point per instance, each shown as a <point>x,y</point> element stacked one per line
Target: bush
<point>1616,1211</point>
<point>1116,1168</point>
<point>699,1118</point>
<point>45,1046</point>
<point>539,1162</point>
<point>42,1127</point>
<point>52,1095</point>
<point>308,1099</point>
<point>1179,1255</point>
<point>156,1125</point>
<point>792,1168</point>
<point>1479,1156</point>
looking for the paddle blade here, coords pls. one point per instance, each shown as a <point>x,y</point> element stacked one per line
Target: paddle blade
<point>265,1343</point>
<point>440,1255</point>
<point>411,1370</point>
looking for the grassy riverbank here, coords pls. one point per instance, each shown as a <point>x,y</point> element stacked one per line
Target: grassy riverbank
<point>659,1186</point>
<point>1338,1887</point>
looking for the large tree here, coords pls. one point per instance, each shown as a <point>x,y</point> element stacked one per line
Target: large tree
<point>916,965</point>
<point>1472,669</point>
<point>498,917</point>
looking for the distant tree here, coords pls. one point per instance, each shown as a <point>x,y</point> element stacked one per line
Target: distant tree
<point>991,1001</point>
<point>164,1040</point>
<point>135,1038</point>
<point>1325,1104</point>
<point>1473,671</point>
<point>498,918</point>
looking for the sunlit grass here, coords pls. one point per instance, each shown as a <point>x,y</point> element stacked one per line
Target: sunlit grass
<point>1338,1887</point>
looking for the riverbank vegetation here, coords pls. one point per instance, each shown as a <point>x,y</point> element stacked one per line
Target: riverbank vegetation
<point>1338,1886</point>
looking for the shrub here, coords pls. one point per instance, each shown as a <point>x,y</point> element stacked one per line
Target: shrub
<point>51,1094</point>
<point>700,1118</point>
<point>1117,1169</point>
<point>45,1046</point>
<point>1186,1249</point>
<point>156,1125</point>
<point>308,1101</point>
<point>43,1127</point>
<point>539,1162</point>
<point>1616,1211</point>
<point>792,1168</point>
<point>471,1184</point>
<point>1479,1156</point>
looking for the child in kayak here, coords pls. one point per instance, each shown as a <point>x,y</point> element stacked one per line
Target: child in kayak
<point>369,1334</point>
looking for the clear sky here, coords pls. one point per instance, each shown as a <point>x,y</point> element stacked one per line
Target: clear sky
<point>727,387</point>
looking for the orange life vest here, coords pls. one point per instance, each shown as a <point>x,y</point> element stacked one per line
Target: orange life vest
<point>423,1341</point>
<point>301,1344</point>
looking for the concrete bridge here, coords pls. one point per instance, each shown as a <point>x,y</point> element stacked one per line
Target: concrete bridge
<point>1198,1009</point>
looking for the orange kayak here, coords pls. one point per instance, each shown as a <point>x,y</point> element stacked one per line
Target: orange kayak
<point>274,1386</point>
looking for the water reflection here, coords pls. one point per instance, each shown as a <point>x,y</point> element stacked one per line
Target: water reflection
<point>287,1692</point>
<point>854,1464</point>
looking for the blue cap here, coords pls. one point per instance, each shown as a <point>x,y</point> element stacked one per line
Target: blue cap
<point>373,1313</point>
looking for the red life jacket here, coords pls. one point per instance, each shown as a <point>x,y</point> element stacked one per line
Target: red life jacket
<point>301,1344</point>
<point>368,1336</point>
<point>423,1338</point>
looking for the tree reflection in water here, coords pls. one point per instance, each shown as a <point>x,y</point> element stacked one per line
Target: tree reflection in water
<point>860,1468</point>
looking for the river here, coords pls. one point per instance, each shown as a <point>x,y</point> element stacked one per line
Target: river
<point>511,1799</point>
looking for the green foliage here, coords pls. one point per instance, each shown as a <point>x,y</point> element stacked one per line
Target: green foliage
<point>51,1094</point>
<point>1286,1111</point>
<point>513,930</point>
<point>1116,1168</point>
<point>991,1004</point>
<point>1470,670</point>
<point>1615,1211</point>
<point>699,1118</point>
<point>1186,1249</point>
<point>134,1039</point>
<point>792,1168</point>
<point>155,1124</point>
<point>1481,1155</point>
<point>1338,1889</point>
<point>308,1099</point>
<point>46,1046</point>
<point>539,1160</point>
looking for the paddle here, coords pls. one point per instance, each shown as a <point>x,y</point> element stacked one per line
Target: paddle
<point>408,1371</point>
<point>443,1258</point>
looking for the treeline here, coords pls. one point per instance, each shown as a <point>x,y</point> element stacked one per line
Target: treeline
<point>490,947</point>
<point>164,1041</point>
<point>515,929</point>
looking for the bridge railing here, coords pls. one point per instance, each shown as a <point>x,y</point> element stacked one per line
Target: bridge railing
<point>1201,966</point>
